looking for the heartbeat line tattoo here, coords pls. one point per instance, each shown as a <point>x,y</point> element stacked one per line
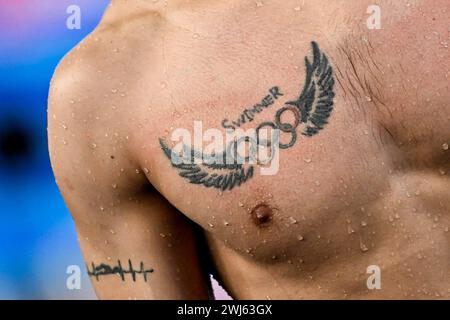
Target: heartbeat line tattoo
<point>105,269</point>
<point>311,109</point>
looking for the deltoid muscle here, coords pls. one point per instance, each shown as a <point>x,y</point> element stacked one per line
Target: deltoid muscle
<point>312,108</point>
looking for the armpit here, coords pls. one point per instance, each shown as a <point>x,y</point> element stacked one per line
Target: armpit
<point>358,73</point>
<point>361,78</point>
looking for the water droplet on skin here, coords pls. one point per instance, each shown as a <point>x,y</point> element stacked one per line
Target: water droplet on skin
<point>146,170</point>
<point>226,223</point>
<point>102,209</point>
<point>308,160</point>
<point>292,220</point>
<point>210,225</point>
<point>93,145</point>
<point>274,257</point>
<point>72,101</point>
<point>350,229</point>
<point>114,91</point>
<point>114,186</point>
<point>363,247</point>
<point>442,172</point>
<point>363,223</point>
<point>446,229</point>
<point>241,204</point>
<point>297,9</point>
<point>300,238</point>
<point>112,231</point>
<point>259,4</point>
<point>445,147</point>
<point>138,171</point>
<point>162,235</point>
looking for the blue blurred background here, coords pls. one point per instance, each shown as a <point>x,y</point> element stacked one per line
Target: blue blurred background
<point>37,236</point>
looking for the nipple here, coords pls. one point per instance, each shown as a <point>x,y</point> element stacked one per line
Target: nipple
<point>262,214</point>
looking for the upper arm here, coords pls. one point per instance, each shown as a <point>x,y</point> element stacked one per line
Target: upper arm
<point>117,215</point>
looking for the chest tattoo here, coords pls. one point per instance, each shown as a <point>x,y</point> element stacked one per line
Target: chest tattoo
<point>307,115</point>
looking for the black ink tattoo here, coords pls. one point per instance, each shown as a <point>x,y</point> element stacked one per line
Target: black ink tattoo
<point>312,108</point>
<point>104,269</point>
<point>235,174</point>
<point>248,114</point>
<point>319,86</point>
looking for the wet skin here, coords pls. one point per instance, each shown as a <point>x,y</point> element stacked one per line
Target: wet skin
<point>370,189</point>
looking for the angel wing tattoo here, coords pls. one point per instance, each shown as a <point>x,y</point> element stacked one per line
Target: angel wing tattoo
<point>221,175</point>
<point>313,109</point>
<point>316,100</point>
